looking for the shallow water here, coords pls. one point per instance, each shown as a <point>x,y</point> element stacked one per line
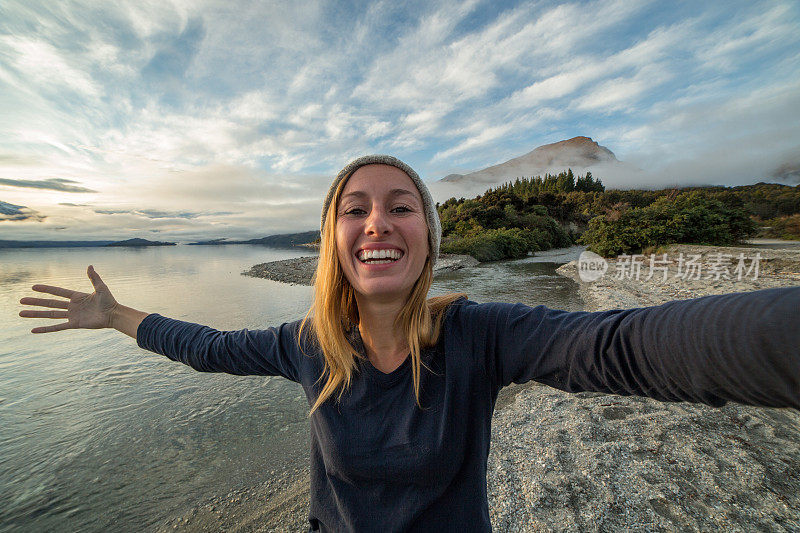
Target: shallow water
<point>99,435</point>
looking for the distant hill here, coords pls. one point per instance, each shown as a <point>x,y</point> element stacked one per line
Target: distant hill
<point>285,240</point>
<point>579,154</point>
<point>52,244</point>
<point>277,241</point>
<point>81,244</point>
<point>140,242</point>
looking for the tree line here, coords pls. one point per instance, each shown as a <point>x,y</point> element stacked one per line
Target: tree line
<point>532,214</point>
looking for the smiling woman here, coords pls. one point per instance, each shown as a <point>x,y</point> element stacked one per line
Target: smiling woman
<point>381,234</point>
<point>401,387</point>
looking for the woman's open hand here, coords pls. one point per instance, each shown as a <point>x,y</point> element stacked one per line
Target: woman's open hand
<point>81,310</point>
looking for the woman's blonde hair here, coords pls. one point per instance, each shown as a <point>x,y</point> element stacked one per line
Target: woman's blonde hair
<point>334,312</point>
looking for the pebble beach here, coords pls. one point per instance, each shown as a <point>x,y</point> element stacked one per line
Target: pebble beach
<point>596,462</point>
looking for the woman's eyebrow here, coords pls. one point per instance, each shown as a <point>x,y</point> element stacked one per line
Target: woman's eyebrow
<point>393,192</point>
<point>400,192</point>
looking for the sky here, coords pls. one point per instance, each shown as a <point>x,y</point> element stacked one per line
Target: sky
<point>186,120</point>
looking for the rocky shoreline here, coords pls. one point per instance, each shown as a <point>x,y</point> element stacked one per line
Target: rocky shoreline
<point>596,462</point>
<point>300,270</point>
<point>619,289</point>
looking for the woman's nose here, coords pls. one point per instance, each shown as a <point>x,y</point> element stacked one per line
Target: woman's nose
<point>378,223</point>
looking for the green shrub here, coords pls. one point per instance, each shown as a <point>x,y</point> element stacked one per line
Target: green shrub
<point>782,228</point>
<point>498,225</point>
<point>688,218</point>
<point>489,245</point>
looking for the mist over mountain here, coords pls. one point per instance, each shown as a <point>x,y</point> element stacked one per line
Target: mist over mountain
<point>581,154</point>
<point>575,153</point>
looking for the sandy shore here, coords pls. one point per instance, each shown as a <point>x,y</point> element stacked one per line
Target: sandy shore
<point>595,462</point>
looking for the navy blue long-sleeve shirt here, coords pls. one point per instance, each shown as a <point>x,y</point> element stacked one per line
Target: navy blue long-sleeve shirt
<point>380,463</point>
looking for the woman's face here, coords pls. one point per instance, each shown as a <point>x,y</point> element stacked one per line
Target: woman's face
<point>381,232</point>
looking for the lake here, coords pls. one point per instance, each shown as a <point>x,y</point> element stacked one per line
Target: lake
<point>98,434</point>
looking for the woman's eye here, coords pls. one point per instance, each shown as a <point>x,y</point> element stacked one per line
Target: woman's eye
<point>404,208</point>
<point>354,211</point>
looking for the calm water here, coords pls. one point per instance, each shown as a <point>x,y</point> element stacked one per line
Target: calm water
<point>97,434</point>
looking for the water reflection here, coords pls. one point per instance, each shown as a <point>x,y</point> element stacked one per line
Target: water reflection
<point>532,281</point>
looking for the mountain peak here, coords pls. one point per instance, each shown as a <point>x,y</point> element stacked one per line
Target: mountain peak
<point>580,139</point>
<point>578,153</point>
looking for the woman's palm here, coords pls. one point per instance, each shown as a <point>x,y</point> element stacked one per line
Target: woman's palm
<point>90,311</point>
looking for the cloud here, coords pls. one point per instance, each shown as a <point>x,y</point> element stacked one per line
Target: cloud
<point>486,135</point>
<point>18,160</point>
<point>623,92</point>
<point>789,170</point>
<point>155,213</point>
<point>229,119</point>
<point>44,65</point>
<point>14,213</point>
<point>54,184</point>
<point>174,57</point>
<point>751,37</point>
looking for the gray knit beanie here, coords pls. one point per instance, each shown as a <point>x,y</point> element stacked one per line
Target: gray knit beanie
<point>431,215</point>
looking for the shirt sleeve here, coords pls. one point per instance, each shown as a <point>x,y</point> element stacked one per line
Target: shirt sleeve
<point>269,352</point>
<point>742,347</point>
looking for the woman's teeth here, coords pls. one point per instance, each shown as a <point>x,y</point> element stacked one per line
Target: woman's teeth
<point>379,257</point>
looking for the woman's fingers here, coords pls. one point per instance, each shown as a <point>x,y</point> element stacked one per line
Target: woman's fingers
<point>48,329</point>
<point>94,277</point>
<point>43,314</point>
<point>57,291</point>
<point>45,302</point>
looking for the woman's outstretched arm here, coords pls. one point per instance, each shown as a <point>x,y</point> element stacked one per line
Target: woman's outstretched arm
<point>83,310</point>
<point>742,347</point>
<point>268,352</point>
<point>126,319</point>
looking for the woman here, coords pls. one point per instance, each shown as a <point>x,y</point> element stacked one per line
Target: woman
<point>402,388</point>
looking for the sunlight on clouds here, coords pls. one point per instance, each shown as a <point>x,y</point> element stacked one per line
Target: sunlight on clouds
<point>584,70</point>
<point>557,86</point>
<point>148,18</point>
<point>624,93</point>
<point>44,65</point>
<point>177,138</point>
<point>199,109</point>
<point>750,38</point>
<point>752,133</point>
<point>378,129</point>
<point>203,203</point>
<point>253,107</point>
<point>486,136</point>
<point>410,74</point>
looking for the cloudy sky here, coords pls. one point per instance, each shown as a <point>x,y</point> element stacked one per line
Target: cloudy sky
<point>186,119</point>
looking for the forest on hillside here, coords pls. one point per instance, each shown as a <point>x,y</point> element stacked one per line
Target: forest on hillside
<point>533,214</point>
